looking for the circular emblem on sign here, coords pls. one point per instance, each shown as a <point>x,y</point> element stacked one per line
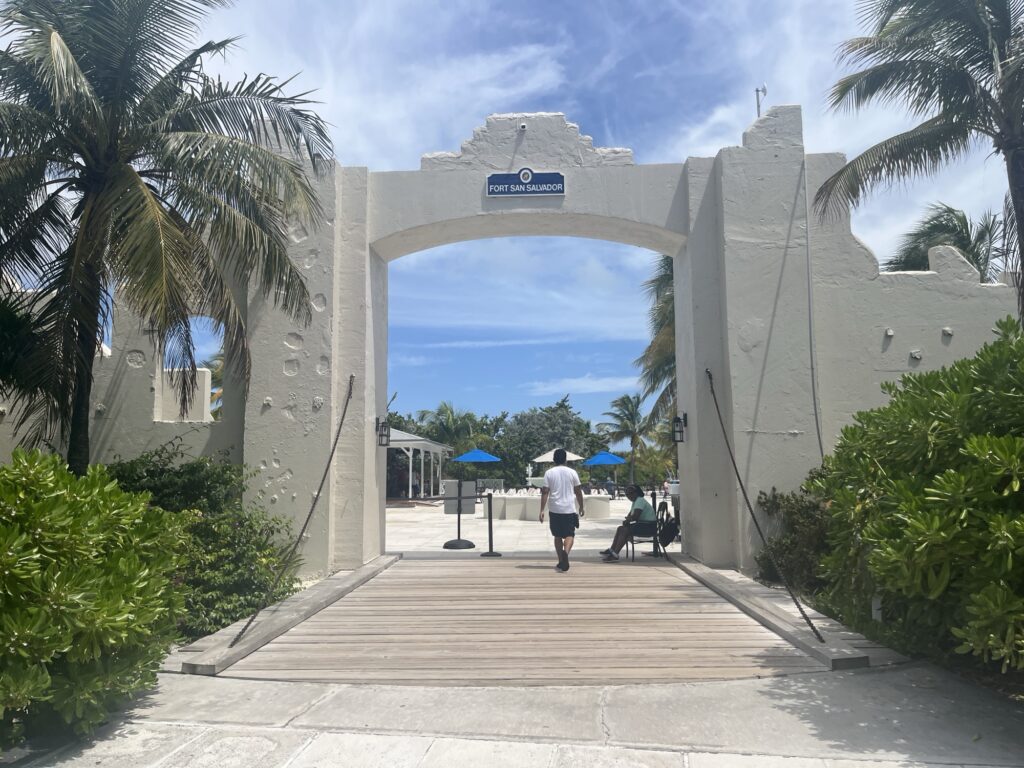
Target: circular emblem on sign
<point>525,175</point>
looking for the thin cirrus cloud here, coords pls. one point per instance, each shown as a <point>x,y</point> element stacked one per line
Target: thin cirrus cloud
<point>523,291</point>
<point>401,360</point>
<point>584,385</point>
<point>499,343</point>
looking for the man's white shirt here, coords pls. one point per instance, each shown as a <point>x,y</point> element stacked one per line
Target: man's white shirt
<point>561,483</point>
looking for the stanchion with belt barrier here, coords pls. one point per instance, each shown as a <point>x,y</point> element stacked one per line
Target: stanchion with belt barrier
<point>460,543</point>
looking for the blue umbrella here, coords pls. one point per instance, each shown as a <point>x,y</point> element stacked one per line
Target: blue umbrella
<point>601,459</point>
<point>605,459</point>
<point>475,456</point>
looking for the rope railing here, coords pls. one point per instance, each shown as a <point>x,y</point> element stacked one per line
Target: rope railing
<point>750,509</point>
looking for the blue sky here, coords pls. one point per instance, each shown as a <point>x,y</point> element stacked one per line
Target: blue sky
<point>506,324</point>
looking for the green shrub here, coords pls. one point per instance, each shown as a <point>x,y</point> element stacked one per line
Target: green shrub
<point>800,542</point>
<point>927,510</point>
<point>87,602</point>
<point>233,552</point>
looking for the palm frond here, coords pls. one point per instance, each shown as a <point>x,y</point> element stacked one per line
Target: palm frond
<point>43,47</point>
<point>920,151</point>
<point>946,225</point>
<point>257,111</point>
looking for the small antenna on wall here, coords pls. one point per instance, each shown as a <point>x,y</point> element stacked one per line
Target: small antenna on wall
<point>759,94</point>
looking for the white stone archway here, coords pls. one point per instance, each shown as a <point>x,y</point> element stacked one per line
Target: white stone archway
<point>607,196</point>
<point>788,312</point>
<point>791,314</point>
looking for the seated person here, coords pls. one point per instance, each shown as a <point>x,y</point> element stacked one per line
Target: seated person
<point>641,521</point>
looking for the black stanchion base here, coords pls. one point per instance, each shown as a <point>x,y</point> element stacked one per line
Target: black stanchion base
<point>490,554</point>
<point>459,544</point>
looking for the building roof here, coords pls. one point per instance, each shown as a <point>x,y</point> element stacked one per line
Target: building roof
<point>400,439</point>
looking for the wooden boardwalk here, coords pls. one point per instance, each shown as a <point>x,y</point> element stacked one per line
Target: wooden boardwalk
<point>518,622</point>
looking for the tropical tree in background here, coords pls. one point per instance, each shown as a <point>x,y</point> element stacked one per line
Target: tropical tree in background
<point>515,439</point>
<point>956,66</point>
<point>449,425</point>
<point>125,166</point>
<point>658,362</point>
<point>627,422</point>
<point>981,242</point>
<point>215,364</point>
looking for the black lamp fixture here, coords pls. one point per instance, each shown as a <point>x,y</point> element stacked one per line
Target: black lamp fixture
<point>383,432</point>
<point>679,429</point>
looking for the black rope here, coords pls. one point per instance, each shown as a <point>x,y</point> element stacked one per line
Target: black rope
<point>305,525</point>
<point>750,508</point>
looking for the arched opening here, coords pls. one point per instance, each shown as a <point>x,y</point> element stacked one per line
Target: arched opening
<point>490,338</point>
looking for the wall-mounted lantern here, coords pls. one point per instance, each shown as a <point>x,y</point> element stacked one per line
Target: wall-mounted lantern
<point>679,429</point>
<point>383,433</point>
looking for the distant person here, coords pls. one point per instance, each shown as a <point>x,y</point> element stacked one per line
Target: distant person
<point>416,485</point>
<point>641,521</point>
<point>562,487</point>
<point>609,487</point>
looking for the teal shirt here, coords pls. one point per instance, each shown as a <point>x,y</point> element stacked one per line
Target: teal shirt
<point>646,510</point>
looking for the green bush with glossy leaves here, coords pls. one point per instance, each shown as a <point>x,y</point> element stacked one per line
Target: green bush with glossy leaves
<point>233,552</point>
<point>926,508</point>
<point>88,604</point>
<point>798,543</point>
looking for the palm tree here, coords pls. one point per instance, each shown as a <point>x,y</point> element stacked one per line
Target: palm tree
<point>627,423</point>
<point>979,241</point>
<point>125,165</point>
<point>658,362</point>
<point>449,425</point>
<point>956,66</point>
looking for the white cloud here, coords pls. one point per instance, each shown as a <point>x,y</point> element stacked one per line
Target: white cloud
<point>399,359</point>
<point>538,290</point>
<point>582,385</point>
<point>395,77</point>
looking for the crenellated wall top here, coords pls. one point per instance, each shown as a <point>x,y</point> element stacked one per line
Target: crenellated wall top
<point>537,140</point>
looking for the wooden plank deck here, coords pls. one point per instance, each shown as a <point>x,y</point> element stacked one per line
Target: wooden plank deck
<point>518,622</point>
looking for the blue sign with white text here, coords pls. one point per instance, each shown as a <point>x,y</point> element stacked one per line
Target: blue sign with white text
<point>525,182</point>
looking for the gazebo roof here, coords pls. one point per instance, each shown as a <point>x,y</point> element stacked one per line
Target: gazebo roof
<point>400,439</point>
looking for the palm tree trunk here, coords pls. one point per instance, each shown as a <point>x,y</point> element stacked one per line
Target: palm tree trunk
<point>1015,179</point>
<point>78,437</point>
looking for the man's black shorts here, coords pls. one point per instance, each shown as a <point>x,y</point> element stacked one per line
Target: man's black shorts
<point>563,526</point>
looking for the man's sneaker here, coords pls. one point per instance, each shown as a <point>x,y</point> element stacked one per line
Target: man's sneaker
<point>611,557</point>
<point>563,562</point>
<point>605,552</point>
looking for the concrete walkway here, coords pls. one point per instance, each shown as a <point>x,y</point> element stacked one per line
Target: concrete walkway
<point>898,715</point>
<point>908,715</point>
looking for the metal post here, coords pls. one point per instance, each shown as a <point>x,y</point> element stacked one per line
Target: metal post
<point>490,529</point>
<point>654,506</point>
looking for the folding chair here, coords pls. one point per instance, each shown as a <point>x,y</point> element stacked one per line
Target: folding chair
<point>646,532</point>
<point>643,533</point>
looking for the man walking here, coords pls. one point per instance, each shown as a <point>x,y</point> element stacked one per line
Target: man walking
<point>562,488</point>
